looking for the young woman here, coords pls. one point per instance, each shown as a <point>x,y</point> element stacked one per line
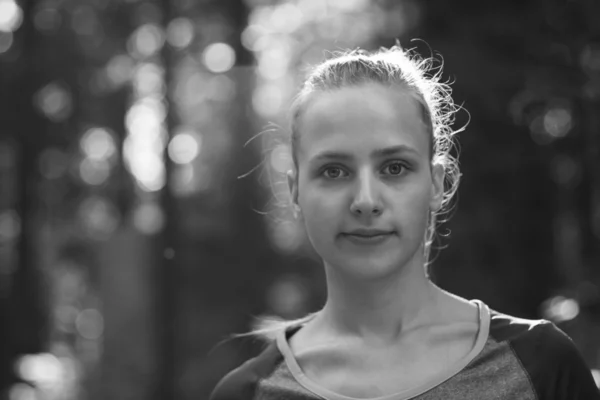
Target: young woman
<point>371,141</point>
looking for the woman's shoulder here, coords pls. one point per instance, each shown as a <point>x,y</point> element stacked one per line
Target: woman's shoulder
<point>535,333</point>
<point>549,357</point>
<point>241,383</point>
<point>539,338</point>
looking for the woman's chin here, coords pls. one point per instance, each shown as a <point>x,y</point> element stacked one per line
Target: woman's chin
<point>373,267</point>
<point>386,262</point>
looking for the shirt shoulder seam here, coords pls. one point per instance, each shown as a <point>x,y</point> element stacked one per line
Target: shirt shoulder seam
<point>531,385</point>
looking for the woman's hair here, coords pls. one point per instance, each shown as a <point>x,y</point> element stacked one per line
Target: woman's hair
<point>395,68</point>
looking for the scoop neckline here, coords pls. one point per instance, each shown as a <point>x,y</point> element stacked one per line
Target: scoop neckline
<point>307,383</point>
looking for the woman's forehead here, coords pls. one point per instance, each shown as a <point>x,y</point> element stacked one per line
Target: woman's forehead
<point>362,116</point>
<point>374,94</point>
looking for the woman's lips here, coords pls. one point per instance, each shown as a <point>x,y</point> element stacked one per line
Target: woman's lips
<point>368,239</point>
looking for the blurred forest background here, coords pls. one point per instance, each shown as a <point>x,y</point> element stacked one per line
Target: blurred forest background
<point>129,244</point>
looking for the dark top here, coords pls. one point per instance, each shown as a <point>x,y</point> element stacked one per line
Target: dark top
<point>512,358</point>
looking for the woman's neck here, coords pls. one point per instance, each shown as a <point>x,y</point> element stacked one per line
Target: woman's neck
<point>379,311</point>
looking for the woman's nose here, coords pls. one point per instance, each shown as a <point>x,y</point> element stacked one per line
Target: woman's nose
<point>366,200</point>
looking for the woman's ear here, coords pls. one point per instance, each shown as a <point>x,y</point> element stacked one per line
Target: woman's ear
<point>292,179</point>
<point>437,187</point>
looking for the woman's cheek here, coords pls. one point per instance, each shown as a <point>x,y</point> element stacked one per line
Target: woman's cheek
<point>411,206</point>
<point>321,213</point>
<point>420,213</point>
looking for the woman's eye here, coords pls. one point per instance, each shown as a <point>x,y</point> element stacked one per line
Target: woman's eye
<point>395,168</point>
<point>333,172</point>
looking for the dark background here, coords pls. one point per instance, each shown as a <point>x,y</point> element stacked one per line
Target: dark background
<point>123,265</point>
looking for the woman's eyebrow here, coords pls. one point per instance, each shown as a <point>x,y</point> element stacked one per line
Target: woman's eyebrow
<point>332,155</point>
<point>378,153</point>
<point>388,151</point>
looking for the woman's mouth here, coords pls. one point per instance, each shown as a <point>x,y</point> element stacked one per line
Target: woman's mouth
<point>368,238</point>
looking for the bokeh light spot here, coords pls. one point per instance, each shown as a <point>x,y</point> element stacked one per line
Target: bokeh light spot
<point>262,43</point>
<point>286,18</point>
<point>191,89</point>
<point>94,172</point>
<point>98,144</point>
<point>251,35</point>
<point>45,370</point>
<point>54,101</point>
<point>273,64</point>
<point>145,41</point>
<point>286,236</point>
<point>47,19</point>
<point>180,32</point>
<point>99,217</point>
<point>557,122</point>
<point>64,317</point>
<point>90,324</point>
<point>219,57</point>
<point>145,117</point>
<point>267,100</point>
<point>148,79</point>
<point>148,218</point>
<point>11,16</point>
<point>119,69</point>
<point>184,147</point>
<point>147,167</point>
<point>143,148</point>
<point>560,309</point>
<point>288,296</point>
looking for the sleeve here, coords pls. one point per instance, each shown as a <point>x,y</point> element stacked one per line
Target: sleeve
<point>242,382</point>
<point>239,384</point>
<point>555,366</point>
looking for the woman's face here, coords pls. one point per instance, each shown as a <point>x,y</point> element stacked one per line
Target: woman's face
<point>365,184</point>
